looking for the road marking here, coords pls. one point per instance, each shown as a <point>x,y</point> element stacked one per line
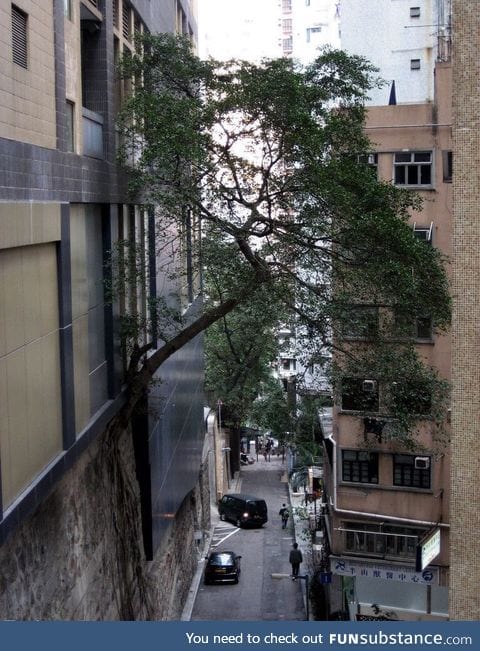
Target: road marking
<point>225,537</point>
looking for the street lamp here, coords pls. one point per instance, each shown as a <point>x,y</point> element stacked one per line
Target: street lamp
<point>304,577</point>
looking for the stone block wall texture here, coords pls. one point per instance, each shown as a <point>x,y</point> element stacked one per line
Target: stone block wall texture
<point>465,476</point>
<point>63,562</point>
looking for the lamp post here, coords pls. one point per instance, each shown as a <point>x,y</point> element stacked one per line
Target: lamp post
<point>304,577</point>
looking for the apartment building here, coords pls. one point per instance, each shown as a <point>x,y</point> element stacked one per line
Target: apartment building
<point>385,504</point>
<point>63,205</point>
<point>403,39</point>
<point>307,26</point>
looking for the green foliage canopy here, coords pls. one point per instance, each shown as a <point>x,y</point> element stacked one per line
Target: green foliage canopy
<point>269,157</point>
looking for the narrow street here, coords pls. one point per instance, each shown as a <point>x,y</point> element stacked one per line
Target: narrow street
<point>264,551</point>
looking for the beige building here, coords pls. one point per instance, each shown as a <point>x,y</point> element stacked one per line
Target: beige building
<point>465,476</point>
<point>382,500</point>
<point>63,206</point>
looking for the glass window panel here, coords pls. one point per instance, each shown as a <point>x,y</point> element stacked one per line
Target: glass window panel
<point>422,157</point>
<point>425,174</point>
<point>412,172</point>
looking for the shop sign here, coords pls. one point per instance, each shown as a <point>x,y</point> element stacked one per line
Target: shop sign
<point>405,574</point>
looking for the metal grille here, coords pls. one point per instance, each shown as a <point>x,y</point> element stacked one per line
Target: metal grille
<point>115,13</point>
<point>19,37</point>
<point>94,3</point>
<point>126,21</point>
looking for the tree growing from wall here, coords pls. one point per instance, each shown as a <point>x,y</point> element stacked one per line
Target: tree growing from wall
<point>267,158</point>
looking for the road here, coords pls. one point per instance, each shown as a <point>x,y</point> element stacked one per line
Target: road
<point>257,597</point>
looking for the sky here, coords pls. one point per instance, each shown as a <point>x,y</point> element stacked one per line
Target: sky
<point>240,29</point>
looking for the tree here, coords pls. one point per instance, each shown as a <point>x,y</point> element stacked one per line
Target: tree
<point>269,158</point>
<point>240,349</point>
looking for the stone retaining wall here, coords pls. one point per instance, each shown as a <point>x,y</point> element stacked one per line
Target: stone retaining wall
<point>63,562</point>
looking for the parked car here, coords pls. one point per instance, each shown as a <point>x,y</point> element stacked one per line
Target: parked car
<point>222,567</point>
<point>243,509</point>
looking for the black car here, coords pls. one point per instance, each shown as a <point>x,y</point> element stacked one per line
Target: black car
<point>222,567</point>
<point>243,509</point>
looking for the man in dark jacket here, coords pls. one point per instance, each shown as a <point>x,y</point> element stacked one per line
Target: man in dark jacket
<point>284,514</point>
<point>295,559</point>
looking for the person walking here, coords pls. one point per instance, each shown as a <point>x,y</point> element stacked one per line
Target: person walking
<point>295,559</point>
<point>284,514</point>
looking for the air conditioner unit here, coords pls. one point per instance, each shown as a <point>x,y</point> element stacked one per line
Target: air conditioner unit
<point>422,463</point>
<point>369,386</point>
<point>371,159</point>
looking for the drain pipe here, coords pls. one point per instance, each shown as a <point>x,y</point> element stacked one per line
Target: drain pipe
<point>374,516</point>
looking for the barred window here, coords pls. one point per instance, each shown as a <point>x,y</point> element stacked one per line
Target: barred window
<point>19,37</point>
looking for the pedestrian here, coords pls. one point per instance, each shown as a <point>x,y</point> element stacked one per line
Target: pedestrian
<point>284,514</point>
<point>295,559</point>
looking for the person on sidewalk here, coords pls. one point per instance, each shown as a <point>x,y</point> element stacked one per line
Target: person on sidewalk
<point>295,559</point>
<point>284,514</point>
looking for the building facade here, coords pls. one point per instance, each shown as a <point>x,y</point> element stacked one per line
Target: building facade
<point>404,41</point>
<point>465,480</point>
<point>63,207</point>
<point>385,503</point>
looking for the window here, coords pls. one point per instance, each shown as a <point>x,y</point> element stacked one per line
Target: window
<point>287,25</point>
<point>413,168</point>
<point>289,364</point>
<point>361,322</point>
<point>414,64</point>
<point>70,126</point>
<point>371,160</point>
<point>407,471</point>
<point>19,37</point>
<point>286,6</point>
<point>423,327</point>
<point>414,12</point>
<point>287,45</point>
<point>359,394</point>
<point>412,397</point>
<point>423,233</point>
<point>419,327</point>
<point>360,466</point>
<point>381,539</point>
<point>447,166</point>
<point>312,30</point>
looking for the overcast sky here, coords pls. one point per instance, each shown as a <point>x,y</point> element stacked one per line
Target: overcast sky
<point>244,29</point>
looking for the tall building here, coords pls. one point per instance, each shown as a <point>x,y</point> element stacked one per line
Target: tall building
<point>403,39</point>
<point>386,504</point>
<point>465,475</point>
<point>63,207</point>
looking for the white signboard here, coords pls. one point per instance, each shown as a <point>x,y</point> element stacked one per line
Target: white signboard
<point>430,548</point>
<point>353,567</point>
